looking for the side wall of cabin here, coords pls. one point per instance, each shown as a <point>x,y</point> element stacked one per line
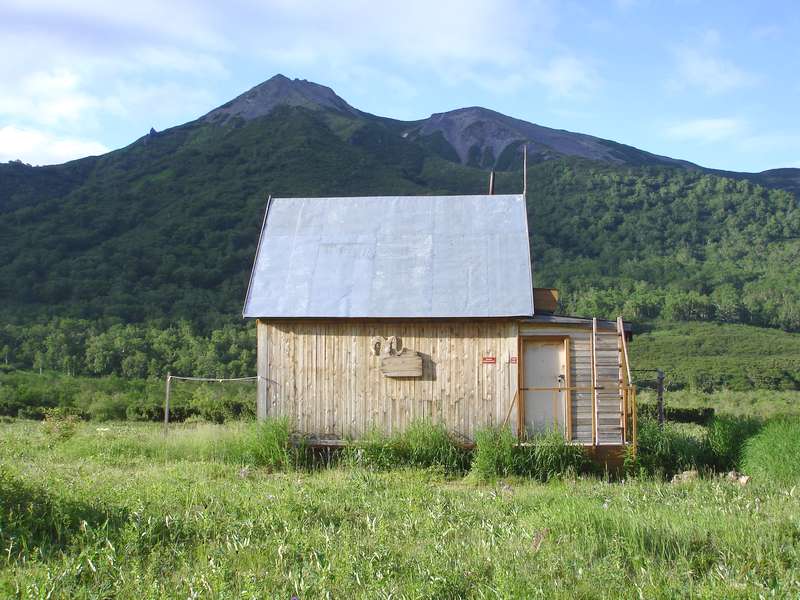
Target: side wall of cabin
<point>325,378</point>
<point>609,374</point>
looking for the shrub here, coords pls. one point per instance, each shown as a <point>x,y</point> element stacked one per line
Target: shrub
<point>216,403</point>
<point>60,424</point>
<point>145,409</point>
<point>103,406</point>
<point>725,438</point>
<point>494,453</point>
<point>774,452</point>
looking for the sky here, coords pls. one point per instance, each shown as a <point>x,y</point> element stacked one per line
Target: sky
<point>713,82</point>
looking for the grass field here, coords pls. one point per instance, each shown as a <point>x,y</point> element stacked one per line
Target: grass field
<point>760,403</point>
<point>706,357</point>
<point>117,511</point>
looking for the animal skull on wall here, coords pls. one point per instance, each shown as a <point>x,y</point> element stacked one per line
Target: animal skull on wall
<point>382,346</point>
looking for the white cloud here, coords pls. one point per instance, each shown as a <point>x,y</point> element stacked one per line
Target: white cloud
<point>739,135</point>
<point>83,67</point>
<point>48,97</point>
<point>415,32</point>
<point>699,66</point>
<point>699,69</point>
<point>568,76</point>
<point>706,130</point>
<point>41,148</point>
<point>498,46</point>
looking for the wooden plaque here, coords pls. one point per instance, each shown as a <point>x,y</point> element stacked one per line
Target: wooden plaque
<point>406,364</point>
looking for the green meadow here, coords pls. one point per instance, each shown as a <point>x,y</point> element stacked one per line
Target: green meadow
<point>97,502</point>
<point>119,510</point>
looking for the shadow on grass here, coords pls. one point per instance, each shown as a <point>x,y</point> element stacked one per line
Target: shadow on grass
<point>37,521</point>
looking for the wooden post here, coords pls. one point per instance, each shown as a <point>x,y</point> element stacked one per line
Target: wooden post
<point>660,401</point>
<point>262,343</point>
<point>624,415</point>
<point>633,418</point>
<point>166,402</point>
<point>525,169</point>
<point>568,392</point>
<point>594,382</point>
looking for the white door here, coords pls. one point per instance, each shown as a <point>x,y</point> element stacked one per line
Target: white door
<point>544,370</point>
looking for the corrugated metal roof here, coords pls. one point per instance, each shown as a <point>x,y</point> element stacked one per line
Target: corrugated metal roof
<point>393,256</point>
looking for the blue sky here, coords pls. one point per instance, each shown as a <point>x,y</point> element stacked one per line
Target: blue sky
<point>717,83</point>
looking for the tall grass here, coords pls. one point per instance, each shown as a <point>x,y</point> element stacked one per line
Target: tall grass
<point>83,527</point>
<point>267,444</point>
<point>423,444</point>
<point>546,456</point>
<point>494,453</point>
<point>550,456</point>
<point>773,454</point>
<point>664,451</point>
<point>725,438</point>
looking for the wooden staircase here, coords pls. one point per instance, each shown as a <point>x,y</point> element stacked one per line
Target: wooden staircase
<point>608,376</point>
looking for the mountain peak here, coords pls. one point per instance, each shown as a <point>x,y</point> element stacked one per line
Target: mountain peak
<point>480,137</point>
<point>276,91</point>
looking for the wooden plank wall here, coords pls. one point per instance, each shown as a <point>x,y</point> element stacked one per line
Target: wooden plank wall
<point>581,377</point>
<point>330,384</point>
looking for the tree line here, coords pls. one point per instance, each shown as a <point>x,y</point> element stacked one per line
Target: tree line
<point>132,350</point>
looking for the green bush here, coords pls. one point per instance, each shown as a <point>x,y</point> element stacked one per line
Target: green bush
<point>60,424</point>
<point>774,452</point>
<point>103,406</point>
<point>213,402</point>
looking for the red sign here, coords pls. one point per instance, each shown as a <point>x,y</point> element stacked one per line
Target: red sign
<point>513,360</point>
<point>489,360</point>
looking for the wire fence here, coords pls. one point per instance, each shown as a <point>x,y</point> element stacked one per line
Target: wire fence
<point>171,377</point>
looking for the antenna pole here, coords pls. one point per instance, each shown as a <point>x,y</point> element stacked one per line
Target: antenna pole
<point>525,169</point>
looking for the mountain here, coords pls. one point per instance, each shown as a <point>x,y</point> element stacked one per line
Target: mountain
<point>167,226</point>
<point>488,139</point>
<point>279,91</point>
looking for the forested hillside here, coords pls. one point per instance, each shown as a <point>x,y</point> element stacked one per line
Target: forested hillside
<point>166,228</point>
<point>665,243</point>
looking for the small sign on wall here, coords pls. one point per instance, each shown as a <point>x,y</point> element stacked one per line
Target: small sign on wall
<point>513,360</point>
<point>489,360</point>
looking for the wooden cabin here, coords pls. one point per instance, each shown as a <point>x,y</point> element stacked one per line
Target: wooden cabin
<point>375,312</point>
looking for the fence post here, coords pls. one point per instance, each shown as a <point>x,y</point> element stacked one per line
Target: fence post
<point>166,402</point>
<point>660,404</point>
